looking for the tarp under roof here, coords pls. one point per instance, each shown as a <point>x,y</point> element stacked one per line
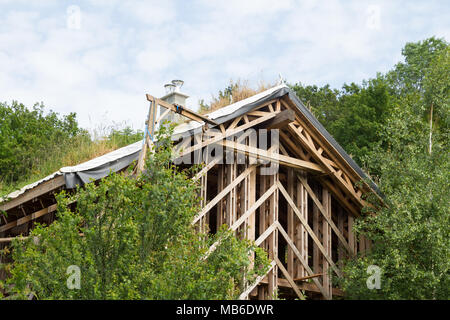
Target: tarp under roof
<point>121,158</point>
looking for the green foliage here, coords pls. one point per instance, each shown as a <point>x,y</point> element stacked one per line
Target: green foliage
<point>411,233</point>
<point>408,76</point>
<point>353,115</point>
<point>26,135</point>
<point>125,136</point>
<point>137,242</point>
<point>34,144</point>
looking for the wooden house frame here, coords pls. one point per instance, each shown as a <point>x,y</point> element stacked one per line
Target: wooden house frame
<point>296,194</point>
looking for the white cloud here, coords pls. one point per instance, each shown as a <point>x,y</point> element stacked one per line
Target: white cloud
<point>127,48</point>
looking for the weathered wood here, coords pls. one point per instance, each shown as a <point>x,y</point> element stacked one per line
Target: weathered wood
<point>43,188</point>
<point>229,133</point>
<point>273,157</point>
<point>245,294</point>
<point>246,215</point>
<point>290,221</point>
<point>182,110</point>
<point>223,193</point>
<point>308,228</point>
<point>289,279</point>
<point>300,258</point>
<point>326,237</point>
<point>324,213</point>
<point>28,218</point>
<point>281,120</point>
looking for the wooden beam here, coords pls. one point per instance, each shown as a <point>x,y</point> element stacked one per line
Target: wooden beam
<point>308,228</point>
<point>281,120</point>
<point>150,130</point>
<point>206,168</point>
<point>265,234</point>
<point>28,218</point>
<point>274,157</point>
<point>289,279</point>
<point>249,289</point>
<point>183,111</point>
<point>223,193</point>
<point>309,145</point>
<point>322,211</point>
<point>37,191</point>
<point>241,219</point>
<point>300,258</point>
<point>311,287</point>
<point>229,133</point>
<point>309,277</point>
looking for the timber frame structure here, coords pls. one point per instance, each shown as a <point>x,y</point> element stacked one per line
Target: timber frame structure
<point>296,193</point>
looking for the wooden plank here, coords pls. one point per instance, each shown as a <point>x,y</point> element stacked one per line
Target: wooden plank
<point>281,120</point>
<point>28,218</point>
<point>182,110</point>
<point>148,144</point>
<point>307,143</point>
<point>351,235</point>
<point>229,133</point>
<point>206,168</point>
<point>308,228</point>
<point>273,157</point>
<point>245,294</point>
<point>246,215</point>
<point>306,286</point>
<point>326,239</point>
<point>309,277</point>
<point>265,234</point>
<point>324,214</point>
<point>290,221</point>
<point>38,191</point>
<point>289,279</point>
<point>300,258</point>
<point>223,193</point>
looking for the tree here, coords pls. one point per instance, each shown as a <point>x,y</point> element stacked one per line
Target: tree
<point>411,232</point>
<point>25,136</point>
<point>133,239</point>
<point>353,115</point>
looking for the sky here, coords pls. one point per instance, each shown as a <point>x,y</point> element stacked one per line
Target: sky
<point>98,58</point>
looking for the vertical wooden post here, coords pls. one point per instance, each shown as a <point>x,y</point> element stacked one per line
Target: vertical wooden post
<point>316,252</point>
<point>273,238</point>
<point>326,236</point>
<point>340,225</point>
<point>251,199</point>
<point>220,186</point>
<point>262,290</point>
<point>203,195</point>
<point>351,235</point>
<point>231,197</point>
<point>301,233</point>
<point>290,223</point>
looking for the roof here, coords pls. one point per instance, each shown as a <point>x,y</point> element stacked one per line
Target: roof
<point>119,159</point>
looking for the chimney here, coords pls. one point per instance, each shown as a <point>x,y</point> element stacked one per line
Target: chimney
<point>173,96</point>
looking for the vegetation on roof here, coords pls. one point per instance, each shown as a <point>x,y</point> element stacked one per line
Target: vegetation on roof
<point>234,92</point>
<point>35,143</point>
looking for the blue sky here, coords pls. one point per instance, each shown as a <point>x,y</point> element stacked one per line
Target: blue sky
<point>98,58</point>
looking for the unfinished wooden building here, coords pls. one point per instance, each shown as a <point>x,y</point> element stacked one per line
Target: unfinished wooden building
<point>272,173</point>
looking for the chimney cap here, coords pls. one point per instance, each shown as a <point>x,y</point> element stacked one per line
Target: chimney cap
<point>178,84</point>
<point>170,87</point>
